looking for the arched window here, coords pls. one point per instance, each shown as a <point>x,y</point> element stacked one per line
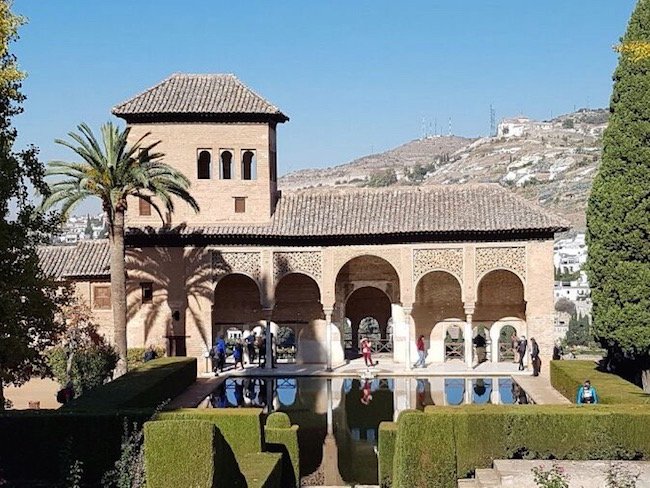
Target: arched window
<point>248,169</point>
<point>204,161</point>
<point>226,165</point>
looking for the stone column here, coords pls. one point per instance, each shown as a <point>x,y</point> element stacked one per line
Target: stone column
<point>410,339</point>
<point>468,391</point>
<point>328,340</point>
<point>468,335</point>
<point>268,313</point>
<point>330,415</point>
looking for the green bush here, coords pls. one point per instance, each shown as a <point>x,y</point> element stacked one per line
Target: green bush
<point>281,436</point>
<point>386,447</point>
<point>145,387</point>
<point>567,376</point>
<point>417,462</point>
<point>181,453</point>
<point>472,437</point>
<point>262,470</point>
<point>91,366</point>
<point>38,437</point>
<point>241,428</point>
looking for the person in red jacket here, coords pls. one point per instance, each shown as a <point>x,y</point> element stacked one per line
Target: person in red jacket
<point>421,352</point>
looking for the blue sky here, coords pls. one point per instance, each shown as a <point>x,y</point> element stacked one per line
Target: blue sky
<point>354,76</point>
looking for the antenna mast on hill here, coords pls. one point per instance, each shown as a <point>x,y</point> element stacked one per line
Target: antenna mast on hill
<point>449,126</point>
<point>493,121</point>
<point>435,126</point>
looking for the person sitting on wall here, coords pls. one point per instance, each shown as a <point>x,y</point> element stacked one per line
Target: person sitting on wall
<point>586,394</point>
<point>150,354</point>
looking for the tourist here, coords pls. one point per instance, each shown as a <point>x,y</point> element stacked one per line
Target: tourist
<point>481,351</point>
<point>534,356</point>
<point>250,346</point>
<point>586,394</point>
<point>558,351</point>
<point>220,355</point>
<point>514,342</point>
<point>521,351</point>
<point>150,354</point>
<point>261,349</point>
<point>366,351</point>
<point>366,396</point>
<point>421,352</point>
<point>238,354</point>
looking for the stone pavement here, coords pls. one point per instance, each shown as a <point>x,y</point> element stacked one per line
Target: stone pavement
<point>580,474</point>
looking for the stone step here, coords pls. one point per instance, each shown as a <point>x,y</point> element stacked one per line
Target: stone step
<point>469,483</point>
<point>487,478</point>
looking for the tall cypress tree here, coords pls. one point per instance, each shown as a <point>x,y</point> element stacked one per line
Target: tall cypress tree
<point>618,212</point>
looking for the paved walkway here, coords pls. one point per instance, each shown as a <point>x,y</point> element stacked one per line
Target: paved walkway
<point>538,388</point>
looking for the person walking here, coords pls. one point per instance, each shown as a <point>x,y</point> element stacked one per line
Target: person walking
<point>220,353</point>
<point>534,356</point>
<point>558,351</point>
<point>521,351</point>
<point>250,346</point>
<point>238,354</point>
<point>261,350</point>
<point>421,353</point>
<point>366,351</point>
<point>514,343</point>
<point>481,351</point>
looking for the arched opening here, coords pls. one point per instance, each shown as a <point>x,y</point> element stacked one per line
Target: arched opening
<point>298,307</point>
<point>500,294</point>
<point>454,343</point>
<point>204,163</point>
<point>438,298</point>
<point>507,343</point>
<point>236,304</point>
<point>226,165</point>
<point>248,165</point>
<point>368,310</point>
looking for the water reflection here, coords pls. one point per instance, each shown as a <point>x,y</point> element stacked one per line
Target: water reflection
<point>339,417</point>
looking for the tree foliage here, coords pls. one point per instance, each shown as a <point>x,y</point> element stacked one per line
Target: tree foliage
<point>618,213</point>
<point>579,333</point>
<point>84,358</point>
<point>28,300</point>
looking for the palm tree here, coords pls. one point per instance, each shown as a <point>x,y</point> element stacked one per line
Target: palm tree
<point>112,170</point>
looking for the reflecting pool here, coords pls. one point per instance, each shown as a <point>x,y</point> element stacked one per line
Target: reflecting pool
<point>339,417</point>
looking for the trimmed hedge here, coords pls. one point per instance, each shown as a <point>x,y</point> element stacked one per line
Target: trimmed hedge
<point>35,442</point>
<point>263,470</point>
<point>240,428</point>
<point>145,387</point>
<point>281,436</point>
<point>386,448</point>
<point>181,453</point>
<point>471,437</point>
<point>567,376</point>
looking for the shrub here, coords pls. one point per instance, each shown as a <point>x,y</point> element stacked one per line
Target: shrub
<point>181,453</point>
<point>39,436</point>
<point>240,428</point>
<point>567,376</point>
<point>386,447</point>
<point>262,470</point>
<point>145,387</point>
<point>282,437</point>
<point>471,437</point>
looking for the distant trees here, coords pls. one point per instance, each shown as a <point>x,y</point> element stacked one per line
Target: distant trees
<point>579,333</point>
<point>29,324</point>
<point>383,178</point>
<point>618,212</point>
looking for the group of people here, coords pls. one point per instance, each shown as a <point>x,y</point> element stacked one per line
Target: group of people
<point>255,346</point>
<point>520,348</point>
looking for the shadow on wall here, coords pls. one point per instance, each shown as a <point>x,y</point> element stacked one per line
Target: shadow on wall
<point>179,276</point>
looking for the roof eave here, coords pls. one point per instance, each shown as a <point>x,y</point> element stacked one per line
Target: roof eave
<point>157,117</point>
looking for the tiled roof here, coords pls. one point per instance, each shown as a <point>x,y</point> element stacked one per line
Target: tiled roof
<point>199,94</point>
<point>86,258</point>
<point>444,209</point>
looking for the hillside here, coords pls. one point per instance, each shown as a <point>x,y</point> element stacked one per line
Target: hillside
<point>551,162</point>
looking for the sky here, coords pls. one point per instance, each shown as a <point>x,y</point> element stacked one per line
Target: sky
<point>355,77</point>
